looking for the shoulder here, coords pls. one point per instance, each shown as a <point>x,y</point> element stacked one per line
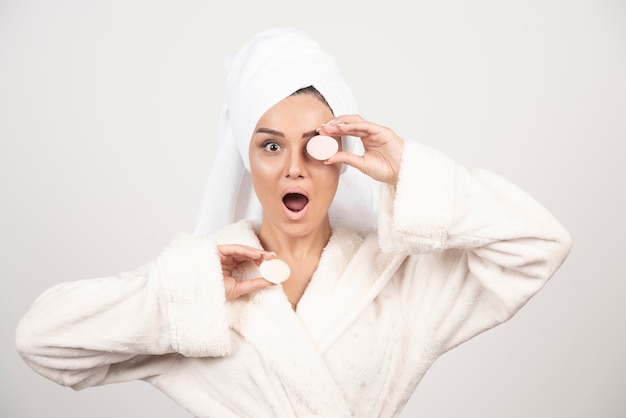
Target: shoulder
<point>243,232</point>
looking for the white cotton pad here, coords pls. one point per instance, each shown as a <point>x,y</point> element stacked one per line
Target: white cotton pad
<point>322,147</point>
<point>275,270</point>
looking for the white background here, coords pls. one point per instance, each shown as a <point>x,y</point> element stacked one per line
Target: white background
<point>108,111</point>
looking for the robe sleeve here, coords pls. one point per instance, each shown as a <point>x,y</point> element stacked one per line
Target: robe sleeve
<point>130,326</point>
<point>478,248</point>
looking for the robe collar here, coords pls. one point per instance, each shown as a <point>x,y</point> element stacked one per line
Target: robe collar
<point>293,344</point>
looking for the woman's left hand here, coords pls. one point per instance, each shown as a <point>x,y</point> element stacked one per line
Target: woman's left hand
<point>383,148</point>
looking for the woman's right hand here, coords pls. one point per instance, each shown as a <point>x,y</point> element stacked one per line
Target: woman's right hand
<point>383,147</point>
<point>231,256</point>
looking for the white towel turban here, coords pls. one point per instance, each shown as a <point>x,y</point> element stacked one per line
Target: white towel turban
<point>268,68</point>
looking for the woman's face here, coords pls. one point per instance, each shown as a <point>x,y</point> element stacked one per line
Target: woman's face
<point>294,189</point>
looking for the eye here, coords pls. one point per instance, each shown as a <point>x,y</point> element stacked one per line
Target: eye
<point>271,146</point>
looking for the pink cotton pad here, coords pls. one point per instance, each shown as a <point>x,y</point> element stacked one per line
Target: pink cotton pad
<point>275,270</point>
<point>322,147</point>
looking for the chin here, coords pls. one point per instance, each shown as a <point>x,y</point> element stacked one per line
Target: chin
<point>302,227</point>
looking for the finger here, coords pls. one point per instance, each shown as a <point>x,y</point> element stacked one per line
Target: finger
<point>364,129</point>
<point>342,119</point>
<point>349,158</point>
<point>249,286</point>
<point>267,255</point>
<point>339,121</point>
<point>243,252</point>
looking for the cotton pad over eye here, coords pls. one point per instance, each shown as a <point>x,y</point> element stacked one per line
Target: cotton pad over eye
<point>322,147</point>
<point>275,270</point>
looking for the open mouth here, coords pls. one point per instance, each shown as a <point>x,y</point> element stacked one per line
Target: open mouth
<point>295,202</point>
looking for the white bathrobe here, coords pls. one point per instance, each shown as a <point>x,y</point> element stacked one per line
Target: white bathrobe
<point>456,253</point>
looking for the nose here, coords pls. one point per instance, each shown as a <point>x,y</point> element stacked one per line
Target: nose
<point>296,161</point>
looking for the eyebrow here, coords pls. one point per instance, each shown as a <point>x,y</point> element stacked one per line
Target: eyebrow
<point>309,134</point>
<point>270,131</point>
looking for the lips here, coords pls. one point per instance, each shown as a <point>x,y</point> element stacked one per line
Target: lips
<point>295,203</point>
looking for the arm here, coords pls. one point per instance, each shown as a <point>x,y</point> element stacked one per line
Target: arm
<point>477,246</point>
<point>477,242</point>
<point>438,205</point>
<point>99,331</point>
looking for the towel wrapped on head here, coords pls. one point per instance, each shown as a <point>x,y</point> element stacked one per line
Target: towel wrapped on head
<point>268,68</point>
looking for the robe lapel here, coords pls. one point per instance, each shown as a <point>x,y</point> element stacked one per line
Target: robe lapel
<point>293,345</point>
<point>268,323</point>
<point>346,281</point>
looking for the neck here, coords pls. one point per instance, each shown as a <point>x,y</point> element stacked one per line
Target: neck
<point>294,247</point>
<point>301,252</point>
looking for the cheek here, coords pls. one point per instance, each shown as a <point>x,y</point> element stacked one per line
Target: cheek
<point>263,179</point>
<point>328,179</point>
<point>262,167</point>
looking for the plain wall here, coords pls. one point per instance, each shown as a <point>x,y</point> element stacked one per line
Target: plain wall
<point>108,112</point>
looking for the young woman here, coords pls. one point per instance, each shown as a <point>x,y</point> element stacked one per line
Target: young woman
<point>396,253</point>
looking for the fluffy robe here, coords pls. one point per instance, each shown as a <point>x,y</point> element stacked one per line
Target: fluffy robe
<point>456,253</point>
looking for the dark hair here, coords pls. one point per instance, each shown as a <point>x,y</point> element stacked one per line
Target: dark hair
<point>312,91</point>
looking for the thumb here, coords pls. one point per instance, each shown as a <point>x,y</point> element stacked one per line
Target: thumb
<point>249,286</point>
<point>349,158</point>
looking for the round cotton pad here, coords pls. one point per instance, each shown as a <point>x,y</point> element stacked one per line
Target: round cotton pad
<point>322,147</point>
<point>275,270</point>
